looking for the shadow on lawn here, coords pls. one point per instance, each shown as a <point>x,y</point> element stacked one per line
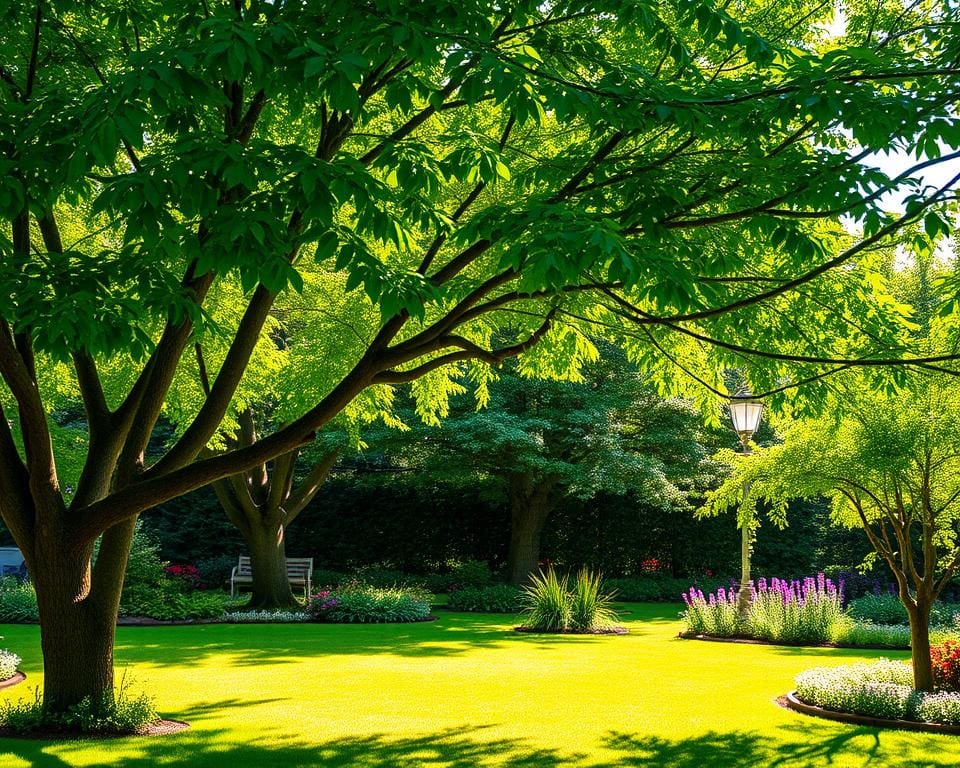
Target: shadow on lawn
<point>466,748</point>
<point>251,644</point>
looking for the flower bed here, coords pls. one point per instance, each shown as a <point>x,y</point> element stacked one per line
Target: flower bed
<point>882,691</point>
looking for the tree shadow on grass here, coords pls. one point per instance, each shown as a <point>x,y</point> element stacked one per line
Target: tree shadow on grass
<point>466,748</point>
<point>254,645</point>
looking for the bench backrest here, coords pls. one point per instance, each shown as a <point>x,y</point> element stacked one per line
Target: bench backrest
<point>300,567</point>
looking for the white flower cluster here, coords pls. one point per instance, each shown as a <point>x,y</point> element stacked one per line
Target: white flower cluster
<point>266,617</point>
<point>8,663</point>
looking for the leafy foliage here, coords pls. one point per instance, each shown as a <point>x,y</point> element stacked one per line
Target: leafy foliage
<point>121,714</point>
<point>500,598</point>
<point>363,604</point>
<point>18,602</point>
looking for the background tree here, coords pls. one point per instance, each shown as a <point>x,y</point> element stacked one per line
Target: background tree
<point>543,440</point>
<point>474,173</point>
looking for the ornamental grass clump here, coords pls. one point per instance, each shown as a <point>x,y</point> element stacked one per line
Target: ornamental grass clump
<point>549,605</point>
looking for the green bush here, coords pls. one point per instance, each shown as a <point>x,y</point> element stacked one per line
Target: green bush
<point>865,633</point>
<point>214,572</point>
<point>659,587</point>
<point>364,604</point>
<point>878,609</point>
<point>500,598</point>
<point>378,576</point>
<point>881,689</point>
<point>18,602</point>
<point>124,715</point>
<point>549,606</point>
<point>168,601</point>
<point>471,573</point>
<point>324,578</point>
<point>8,663</point>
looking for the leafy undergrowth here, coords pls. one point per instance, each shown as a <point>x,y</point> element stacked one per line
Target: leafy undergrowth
<point>465,691</point>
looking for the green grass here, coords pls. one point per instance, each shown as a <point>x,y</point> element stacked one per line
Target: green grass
<point>465,691</point>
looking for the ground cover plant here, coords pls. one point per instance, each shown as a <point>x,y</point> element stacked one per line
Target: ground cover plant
<point>882,689</point>
<point>498,699</point>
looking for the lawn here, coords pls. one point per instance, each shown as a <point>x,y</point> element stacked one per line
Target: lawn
<point>465,691</point>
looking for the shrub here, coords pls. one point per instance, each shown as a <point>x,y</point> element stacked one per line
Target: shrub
<point>189,575</point>
<point>500,598</point>
<point>168,602</point>
<point>471,573</point>
<point>939,708</point>
<point>214,572</point>
<point>659,587</point>
<point>364,604</point>
<point>8,663</point>
<point>18,602</point>
<point>378,576</point>
<point>323,578</point>
<point>946,665</point>
<point>883,608</point>
<point>546,603</point>
<point>549,606</point>
<point>124,715</point>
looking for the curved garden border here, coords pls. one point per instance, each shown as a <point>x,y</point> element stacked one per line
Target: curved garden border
<point>17,677</point>
<point>156,728</point>
<point>757,641</point>
<point>790,701</point>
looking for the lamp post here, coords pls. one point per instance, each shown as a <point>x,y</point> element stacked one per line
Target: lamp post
<point>745,413</point>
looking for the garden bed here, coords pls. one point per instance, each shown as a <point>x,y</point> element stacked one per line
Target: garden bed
<point>790,701</point>
<point>17,677</point>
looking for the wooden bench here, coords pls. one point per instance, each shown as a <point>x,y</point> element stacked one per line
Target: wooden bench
<point>299,574</point>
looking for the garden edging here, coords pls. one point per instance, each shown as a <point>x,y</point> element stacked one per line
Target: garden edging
<point>757,641</point>
<point>17,677</point>
<point>790,701</point>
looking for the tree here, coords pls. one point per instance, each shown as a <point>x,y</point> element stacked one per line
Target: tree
<point>543,440</point>
<point>890,465</point>
<point>469,173</point>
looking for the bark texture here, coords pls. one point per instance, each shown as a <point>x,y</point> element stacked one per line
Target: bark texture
<point>530,506</point>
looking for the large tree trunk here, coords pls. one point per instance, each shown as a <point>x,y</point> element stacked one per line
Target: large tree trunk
<point>529,509</point>
<point>268,562</point>
<point>78,604</point>
<point>920,644</point>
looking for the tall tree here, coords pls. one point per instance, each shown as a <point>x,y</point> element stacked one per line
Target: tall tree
<point>470,172</point>
<point>543,440</point>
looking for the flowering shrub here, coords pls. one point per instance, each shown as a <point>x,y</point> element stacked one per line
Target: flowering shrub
<point>807,611</point>
<point>189,575</point>
<point>362,604</point>
<point>946,665</point>
<point>881,689</point>
<point>8,663</point>
<point>797,611</point>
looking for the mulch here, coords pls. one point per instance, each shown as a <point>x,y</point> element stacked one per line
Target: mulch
<point>156,728</point>
<point>607,631</point>
<point>755,641</point>
<point>791,702</point>
<point>17,677</point>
